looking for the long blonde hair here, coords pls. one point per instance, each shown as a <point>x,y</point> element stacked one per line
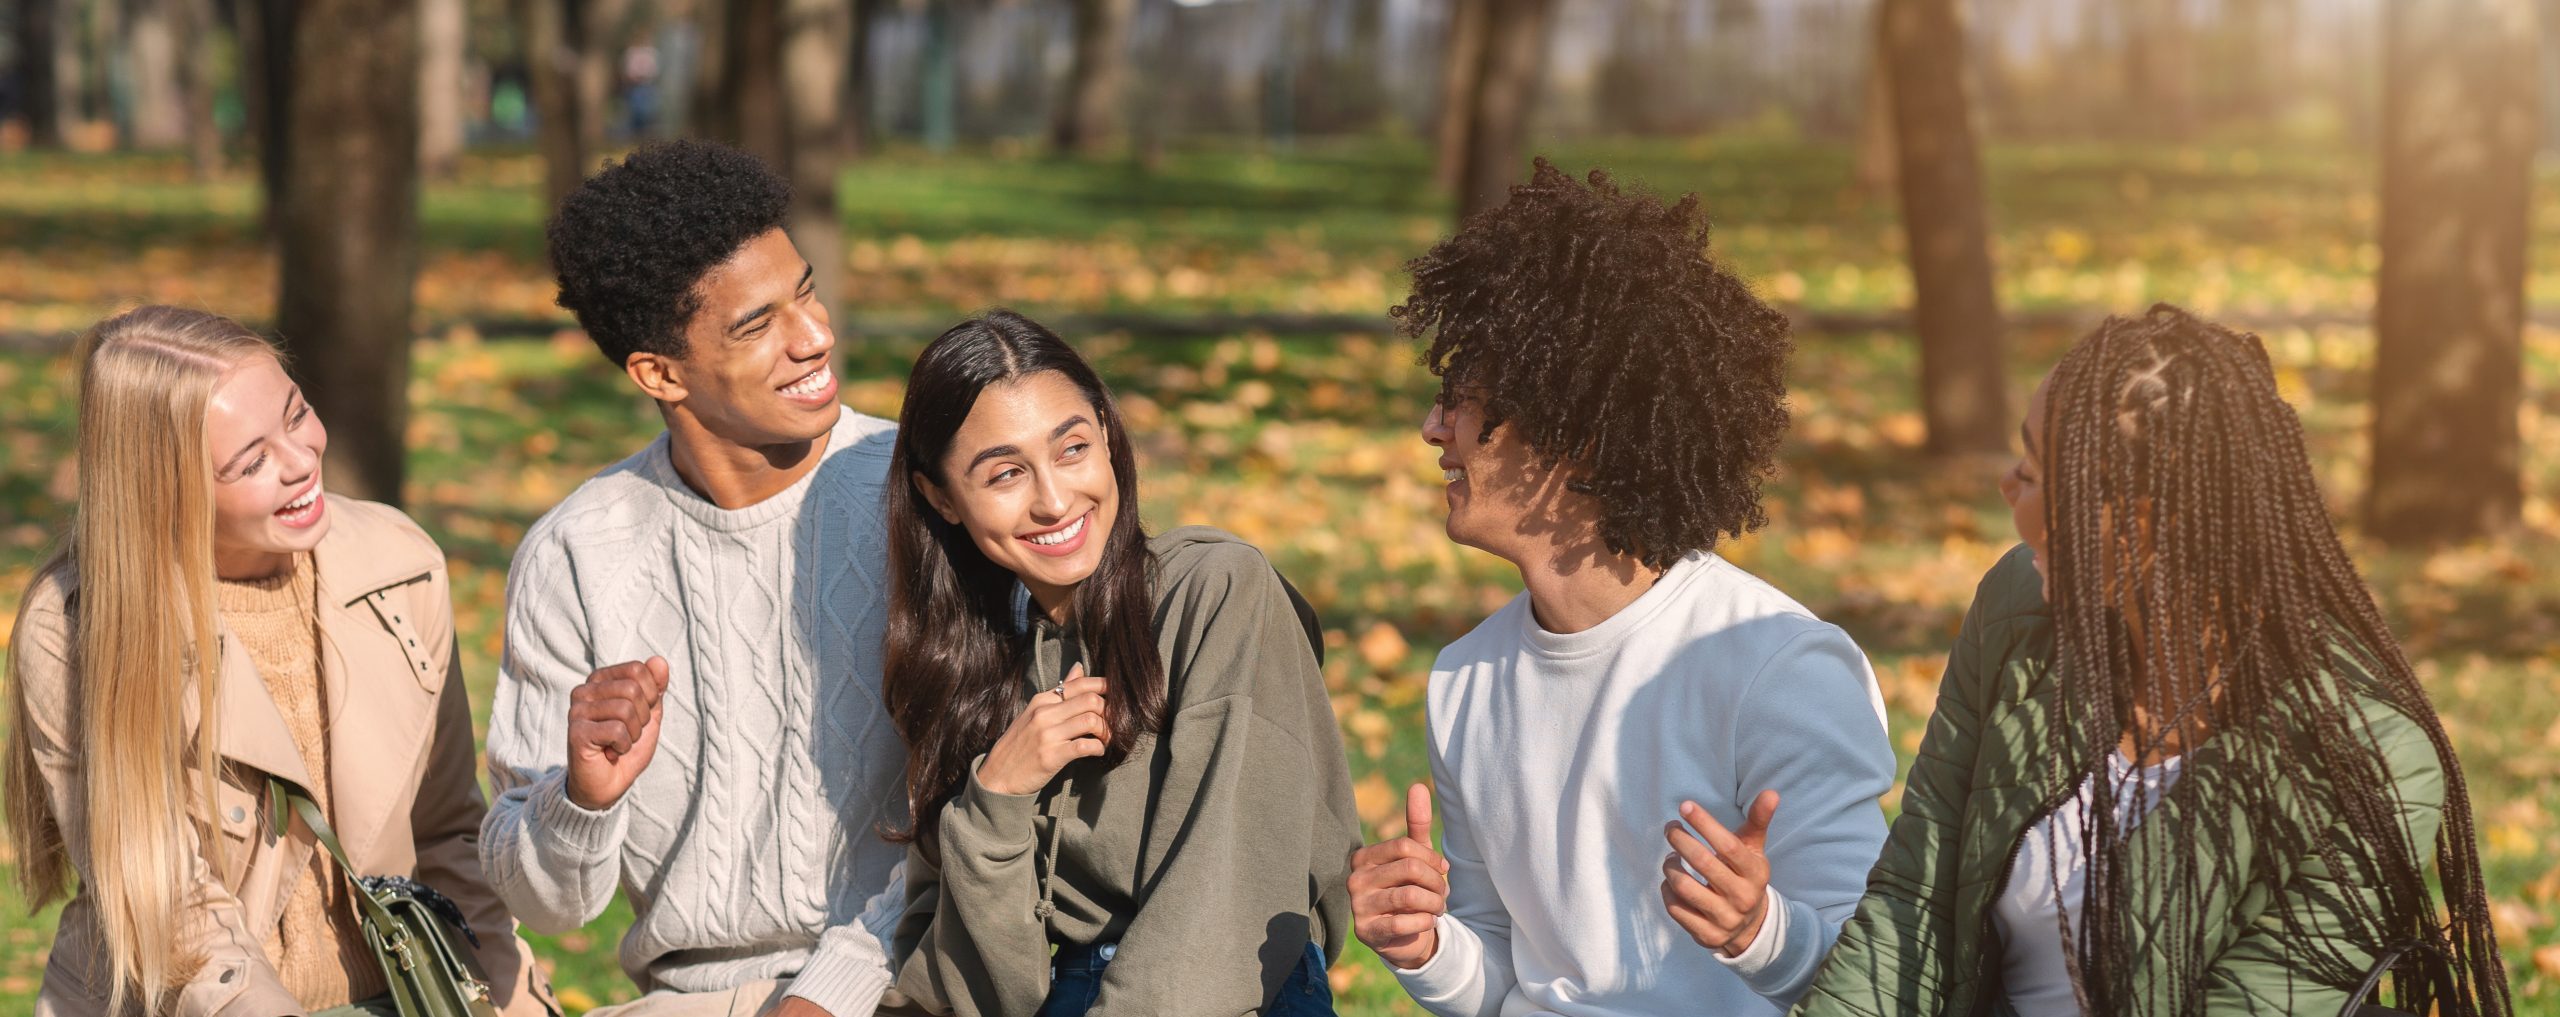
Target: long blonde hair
<point>141,548</point>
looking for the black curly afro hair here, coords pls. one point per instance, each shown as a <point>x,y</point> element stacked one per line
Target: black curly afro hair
<point>632,241</point>
<point>1594,323</point>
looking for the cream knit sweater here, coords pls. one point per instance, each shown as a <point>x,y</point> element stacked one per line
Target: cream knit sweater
<point>749,849</point>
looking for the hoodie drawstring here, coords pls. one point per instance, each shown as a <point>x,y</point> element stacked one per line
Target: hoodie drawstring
<point>1049,858</point>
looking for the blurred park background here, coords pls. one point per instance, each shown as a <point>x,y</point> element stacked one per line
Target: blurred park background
<point>1215,199</point>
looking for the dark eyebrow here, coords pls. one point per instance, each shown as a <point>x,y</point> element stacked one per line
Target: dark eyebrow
<point>807,272</point>
<point>1001,451</point>
<point>990,452</point>
<point>749,318</point>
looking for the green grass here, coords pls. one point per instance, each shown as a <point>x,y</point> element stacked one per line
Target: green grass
<point>1306,444</point>
<point>2266,230</point>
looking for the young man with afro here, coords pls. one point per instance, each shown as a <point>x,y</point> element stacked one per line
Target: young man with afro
<point>1611,400</point>
<point>688,709</point>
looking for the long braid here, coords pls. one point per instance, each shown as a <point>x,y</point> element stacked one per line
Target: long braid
<point>2200,590</point>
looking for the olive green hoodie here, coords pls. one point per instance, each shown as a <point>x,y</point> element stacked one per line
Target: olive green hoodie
<point>1922,941</point>
<point>1212,857</point>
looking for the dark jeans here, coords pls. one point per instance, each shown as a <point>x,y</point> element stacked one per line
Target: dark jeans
<point>1075,978</point>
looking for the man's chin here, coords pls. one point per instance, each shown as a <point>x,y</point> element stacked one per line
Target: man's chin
<point>799,425</point>
<point>807,423</point>
<point>823,420</point>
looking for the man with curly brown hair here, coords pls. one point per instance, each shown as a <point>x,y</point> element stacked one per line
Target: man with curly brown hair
<point>1611,401</point>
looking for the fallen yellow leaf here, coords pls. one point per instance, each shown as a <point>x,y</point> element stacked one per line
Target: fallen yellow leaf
<point>1383,647</point>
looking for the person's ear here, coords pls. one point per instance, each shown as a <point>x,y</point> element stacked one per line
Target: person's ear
<point>935,496</point>
<point>658,375</point>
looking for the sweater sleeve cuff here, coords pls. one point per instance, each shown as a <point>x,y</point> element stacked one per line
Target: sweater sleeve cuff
<point>579,832</point>
<point>1778,958</point>
<point>842,978</point>
<point>1453,970</point>
<point>988,818</point>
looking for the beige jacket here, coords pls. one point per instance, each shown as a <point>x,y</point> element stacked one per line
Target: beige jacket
<point>403,776</point>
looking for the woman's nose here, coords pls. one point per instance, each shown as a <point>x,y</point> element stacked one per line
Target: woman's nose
<point>1435,426</point>
<point>1048,499</point>
<point>296,460</point>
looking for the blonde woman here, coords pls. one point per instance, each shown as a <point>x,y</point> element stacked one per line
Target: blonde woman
<point>202,534</point>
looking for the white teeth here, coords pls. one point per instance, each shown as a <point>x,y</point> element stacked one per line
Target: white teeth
<point>815,383</point>
<point>1453,476</point>
<point>303,502</point>
<point>1060,536</point>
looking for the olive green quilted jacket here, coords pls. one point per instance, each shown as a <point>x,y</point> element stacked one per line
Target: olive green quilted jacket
<point>1922,941</point>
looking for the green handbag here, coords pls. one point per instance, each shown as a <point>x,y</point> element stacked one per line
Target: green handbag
<point>411,928</point>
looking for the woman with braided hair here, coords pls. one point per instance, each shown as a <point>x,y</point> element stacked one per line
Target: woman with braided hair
<point>2178,764</point>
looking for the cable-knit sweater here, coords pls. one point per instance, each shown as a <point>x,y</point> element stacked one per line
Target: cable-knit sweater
<point>749,847</point>
<point>317,949</point>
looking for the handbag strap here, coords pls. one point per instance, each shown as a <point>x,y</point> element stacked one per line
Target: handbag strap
<point>283,794</point>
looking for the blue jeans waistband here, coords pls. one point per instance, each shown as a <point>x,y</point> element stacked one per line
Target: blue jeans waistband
<point>1083,957</point>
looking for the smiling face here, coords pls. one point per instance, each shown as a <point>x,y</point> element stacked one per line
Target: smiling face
<point>266,444</point>
<point>755,369</point>
<point>1028,475</point>
<point>1499,500</point>
<point>2023,487</point>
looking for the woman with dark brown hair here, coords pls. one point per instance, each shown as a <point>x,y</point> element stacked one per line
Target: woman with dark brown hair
<point>1127,792</point>
<point>2178,764</point>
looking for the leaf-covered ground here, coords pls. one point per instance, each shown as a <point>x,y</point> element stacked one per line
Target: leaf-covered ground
<point>1306,444</point>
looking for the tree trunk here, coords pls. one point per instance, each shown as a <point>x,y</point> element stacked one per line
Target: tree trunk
<point>2258,60</point>
<point>2551,76</point>
<point>265,29</point>
<point>1160,115</point>
<point>1963,395</point>
<point>1875,115</point>
<point>2155,71</point>
<point>103,35</point>
<point>1461,65</point>
<point>595,36</point>
<point>813,47</point>
<point>39,38</point>
<point>853,134</point>
<point>70,71</point>
<point>443,26</point>
<point>706,113</point>
<point>350,237</point>
<point>151,49</point>
<point>751,81</point>
<point>1089,113</point>
<point>1514,55</point>
<point>197,33</point>
<point>2459,124</point>
<point>551,61</point>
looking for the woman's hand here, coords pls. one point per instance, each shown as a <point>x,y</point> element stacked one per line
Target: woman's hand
<point>1722,912</point>
<point>1060,726</point>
